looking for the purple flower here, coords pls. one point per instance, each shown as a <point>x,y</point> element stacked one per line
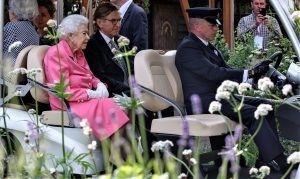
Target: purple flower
<point>113,114</point>
<point>196,104</point>
<point>32,130</point>
<point>230,152</point>
<point>136,89</point>
<point>230,141</point>
<point>183,141</point>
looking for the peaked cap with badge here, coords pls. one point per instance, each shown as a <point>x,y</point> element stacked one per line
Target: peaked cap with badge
<point>211,15</point>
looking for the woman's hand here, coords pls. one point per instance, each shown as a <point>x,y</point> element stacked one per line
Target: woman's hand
<point>101,88</point>
<point>100,92</point>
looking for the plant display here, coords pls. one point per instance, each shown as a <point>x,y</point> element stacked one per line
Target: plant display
<point>129,157</point>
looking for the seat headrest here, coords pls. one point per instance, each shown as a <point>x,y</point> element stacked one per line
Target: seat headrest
<point>35,60</point>
<point>158,72</point>
<point>21,62</point>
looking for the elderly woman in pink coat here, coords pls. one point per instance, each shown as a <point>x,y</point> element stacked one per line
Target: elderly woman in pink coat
<point>89,96</point>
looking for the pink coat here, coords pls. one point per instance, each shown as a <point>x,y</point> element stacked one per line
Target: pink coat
<point>103,114</point>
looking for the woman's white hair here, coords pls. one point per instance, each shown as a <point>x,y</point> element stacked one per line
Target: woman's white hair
<point>71,24</point>
<point>24,9</point>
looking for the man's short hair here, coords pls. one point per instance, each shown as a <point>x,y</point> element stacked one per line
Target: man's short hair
<point>103,10</point>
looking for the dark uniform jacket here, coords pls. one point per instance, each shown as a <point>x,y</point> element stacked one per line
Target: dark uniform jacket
<point>201,70</point>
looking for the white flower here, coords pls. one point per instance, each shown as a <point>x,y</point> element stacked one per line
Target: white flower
<point>222,95</point>
<point>182,176</point>
<point>287,89</point>
<point>87,130</point>
<point>161,145</point>
<point>187,152</point>
<point>45,29</point>
<point>294,158</point>
<point>31,111</point>
<point>52,170</point>
<point>265,84</point>
<point>295,15</point>
<point>123,41</point>
<point>243,87</point>
<point>12,75</point>
<point>93,145</point>
<point>14,45</point>
<point>114,51</point>
<point>33,72</point>
<point>19,70</point>
<point>83,123</point>
<point>262,110</point>
<point>227,85</point>
<point>253,170</point>
<point>265,170</point>
<point>51,23</point>
<point>18,93</point>
<point>23,71</point>
<point>193,161</point>
<point>214,106</point>
<point>134,49</point>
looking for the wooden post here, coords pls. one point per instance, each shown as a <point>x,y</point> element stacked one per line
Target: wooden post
<point>211,3</point>
<point>228,21</point>
<point>185,5</point>
<point>228,18</point>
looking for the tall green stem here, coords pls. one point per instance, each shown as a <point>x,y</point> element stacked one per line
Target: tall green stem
<point>36,118</point>
<point>255,133</point>
<point>288,171</point>
<point>62,111</point>
<point>184,164</point>
<point>223,169</point>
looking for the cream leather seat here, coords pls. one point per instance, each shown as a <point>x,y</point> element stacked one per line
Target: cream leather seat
<point>158,73</point>
<point>35,60</point>
<point>21,62</point>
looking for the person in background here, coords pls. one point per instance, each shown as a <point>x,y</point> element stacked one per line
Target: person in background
<point>46,12</point>
<point>134,24</point>
<point>89,96</point>
<point>99,54</point>
<point>202,70</point>
<point>20,28</point>
<point>261,26</point>
<point>6,14</point>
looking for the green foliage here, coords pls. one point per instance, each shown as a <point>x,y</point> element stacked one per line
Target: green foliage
<point>241,57</point>
<point>60,88</point>
<point>128,102</point>
<point>290,146</point>
<point>297,26</point>
<point>70,158</point>
<point>145,4</point>
<point>244,55</point>
<point>285,46</point>
<point>129,171</point>
<point>221,45</point>
<point>51,37</point>
<point>251,153</point>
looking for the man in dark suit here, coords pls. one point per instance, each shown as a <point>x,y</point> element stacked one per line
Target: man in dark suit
<point>202,70</point>
<point>134,24</point>
<point>109,70</point>
<point>100,57</point>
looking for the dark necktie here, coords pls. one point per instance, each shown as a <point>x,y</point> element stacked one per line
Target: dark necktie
<point>210,46</point>
<point>120,60</point>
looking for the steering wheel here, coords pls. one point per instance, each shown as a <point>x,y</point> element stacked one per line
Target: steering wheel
<point>277,58</point>
<point>278,78</point>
